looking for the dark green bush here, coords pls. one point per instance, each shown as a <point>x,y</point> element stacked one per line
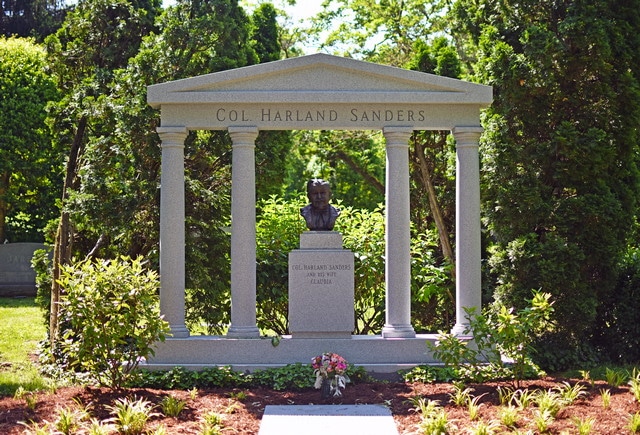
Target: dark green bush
<point>290,377</point>
<point>617,334</point>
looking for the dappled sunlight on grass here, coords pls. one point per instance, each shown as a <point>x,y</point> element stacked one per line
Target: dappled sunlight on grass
<point>21,328</point>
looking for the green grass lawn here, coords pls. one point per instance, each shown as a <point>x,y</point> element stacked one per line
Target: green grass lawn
<point>21,328</point>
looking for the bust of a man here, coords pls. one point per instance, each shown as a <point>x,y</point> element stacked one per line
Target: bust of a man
<point>319,215</point>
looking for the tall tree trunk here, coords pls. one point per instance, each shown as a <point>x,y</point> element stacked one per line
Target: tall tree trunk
<point>443,233</point>
<point>64,235</point>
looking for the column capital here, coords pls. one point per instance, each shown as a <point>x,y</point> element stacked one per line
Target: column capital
<point>397,136</point>
<point>243,136</point>
<point>467,136</point>
<point>172,136</point>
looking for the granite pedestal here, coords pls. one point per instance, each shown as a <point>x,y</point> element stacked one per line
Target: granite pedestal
<point>321,287</point>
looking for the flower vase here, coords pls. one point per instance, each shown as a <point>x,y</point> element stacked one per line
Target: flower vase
<point>325,388</point>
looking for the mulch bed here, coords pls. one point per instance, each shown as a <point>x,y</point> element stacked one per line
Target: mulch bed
<point>242,410</point>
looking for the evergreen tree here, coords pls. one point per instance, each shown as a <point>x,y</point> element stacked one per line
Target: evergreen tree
<point>560,152</point>
<point>265,33</point>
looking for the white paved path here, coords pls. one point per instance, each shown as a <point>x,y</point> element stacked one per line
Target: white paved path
<point>327,419</point>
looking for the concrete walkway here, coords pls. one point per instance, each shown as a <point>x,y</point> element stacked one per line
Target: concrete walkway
<point>327,419</point>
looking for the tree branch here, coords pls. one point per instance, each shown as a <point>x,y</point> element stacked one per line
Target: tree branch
<point>373,181</point>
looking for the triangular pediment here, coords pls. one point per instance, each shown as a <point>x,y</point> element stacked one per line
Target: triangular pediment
<point>322,78</point>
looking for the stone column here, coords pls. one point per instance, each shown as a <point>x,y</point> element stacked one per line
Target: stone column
<point>397,235</point>
<point>468,250</point>
<point>243,234</point>
<point>172,275</point>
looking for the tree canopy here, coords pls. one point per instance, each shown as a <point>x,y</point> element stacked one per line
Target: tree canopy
<point>29,162</point>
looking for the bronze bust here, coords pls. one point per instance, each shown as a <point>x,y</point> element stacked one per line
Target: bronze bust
<point>319,214</point>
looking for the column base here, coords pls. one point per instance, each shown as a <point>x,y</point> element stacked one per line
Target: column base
<point>243,332</point>
<point>461,330</point>
<point>179,331</point>
<point>398,331</point>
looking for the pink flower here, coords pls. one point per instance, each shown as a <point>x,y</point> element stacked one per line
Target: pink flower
<point>329,364</point>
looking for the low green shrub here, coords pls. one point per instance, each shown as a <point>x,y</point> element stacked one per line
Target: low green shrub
<point>634,423</point>
<point>182,379</point>
<point>289,377</point>
<point>427,374</point>
<point>634,384</point>
<point>509,416</point>
<point>615,377</point>
<point>434,417</point>
<point>111,318</point>
<point>584,425</point>
<point>499,335</point>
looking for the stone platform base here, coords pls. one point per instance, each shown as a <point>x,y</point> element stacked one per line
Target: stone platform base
<point>374,353</point>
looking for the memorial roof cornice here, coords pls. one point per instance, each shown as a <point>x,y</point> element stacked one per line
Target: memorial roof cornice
<point>319,78</point>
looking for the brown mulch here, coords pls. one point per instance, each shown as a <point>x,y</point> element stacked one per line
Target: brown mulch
<point>242,410</point>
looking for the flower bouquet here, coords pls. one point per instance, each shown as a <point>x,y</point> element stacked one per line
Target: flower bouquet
<point>330,370</point>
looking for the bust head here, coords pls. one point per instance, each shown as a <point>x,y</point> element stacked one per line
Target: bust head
<point>319,193</point>
<point>319,214</point>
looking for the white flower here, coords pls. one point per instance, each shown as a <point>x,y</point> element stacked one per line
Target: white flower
<point>318,383</point>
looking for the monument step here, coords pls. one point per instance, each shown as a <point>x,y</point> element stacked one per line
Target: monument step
<point>327,419</point>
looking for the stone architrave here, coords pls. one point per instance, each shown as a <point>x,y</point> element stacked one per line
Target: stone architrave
<point>321,280</point>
